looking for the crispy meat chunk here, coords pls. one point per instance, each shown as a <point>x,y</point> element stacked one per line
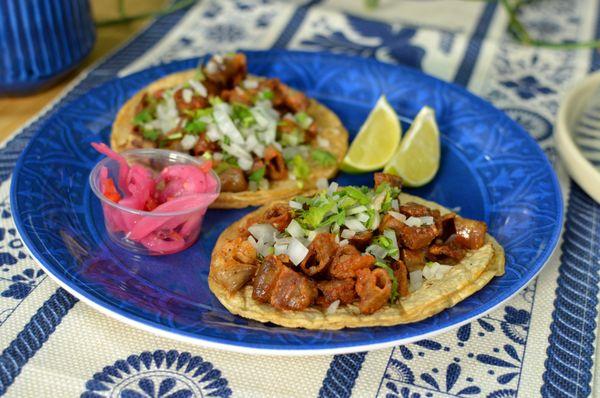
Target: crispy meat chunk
<point>320,252</point>
<point>447,253</point>
<point>296,101</point>
<point>470,234</point>
<point>413,259</point>
<point>447,226</point>
<point>336,289</point>
<point>279,216</point>
<point>361,240</point>
<point>276,167</point>
<point>233,180</point>
<point>265,278</point>
<point>374,288</point>
<point>237,95</point>
<point>228,71</point>
<point>293,291</point>
<point>392,180</point>
<point>238,266</point>
<point>414,210</point>
<point>204,145</point>
<point>347,261</point>
<point>401,274</point>
<point>410,237</point>
<point>196,102</point>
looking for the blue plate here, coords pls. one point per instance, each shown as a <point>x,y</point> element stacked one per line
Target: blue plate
<point>490,168</point>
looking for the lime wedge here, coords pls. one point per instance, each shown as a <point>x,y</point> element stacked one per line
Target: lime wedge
<point>376,141</point>
<point>417,159</point>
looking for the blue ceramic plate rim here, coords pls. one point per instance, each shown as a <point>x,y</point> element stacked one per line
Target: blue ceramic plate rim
<point>284,349</point>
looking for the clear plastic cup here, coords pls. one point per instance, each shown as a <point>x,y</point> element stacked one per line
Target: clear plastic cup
<point>171,231</point>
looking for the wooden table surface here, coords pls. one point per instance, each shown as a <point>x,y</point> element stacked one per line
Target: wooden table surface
<point>15,111</point>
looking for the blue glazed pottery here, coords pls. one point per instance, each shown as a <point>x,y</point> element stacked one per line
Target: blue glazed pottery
<point>41,41</point>
<point>490,167</point>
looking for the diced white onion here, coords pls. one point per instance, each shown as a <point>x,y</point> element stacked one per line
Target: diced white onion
<point>435,271</point>
<point>198,87</point>
<point>322,183</point>
<point>295,229</point>
<point>348,234</point>
<point>250,84</point>
<point>312,235</point>
<point>295,205</point>
<point>397,216</point>
<point>212,132</point>
<point>296,251</point>
<point>252,241</point>
<point>376,221</point>
<point>378,201</point>
<point>323,142</point>
<point>413,221</point>
<point>344,242</point>
<point>376,250</point>
<point>395,204</point>
<point>263,248</point>
<point>332,187</point>
<point>188,142</point>
<point>332,307</point>
<point>217,156</point>
<point>427,220</point>
<point>354,224</point>
<point>211,67</point>
<point>264,232</point>
<point>289,116</point>
<point>416,280</point>
<point>187,95</point>
<point>245,163</point>
<point>362,217</point>
<point>263,184</point>
<point>356,210</point>
<point>280,249</point>
<point>226,125</point>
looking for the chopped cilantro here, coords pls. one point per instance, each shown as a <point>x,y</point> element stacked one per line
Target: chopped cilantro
<point>300,167</point>
<point>144,116</point>
<point>204,112</point>
<point>303,119</point>
<point>323,157</point>
<point>221,167</point>
<point>175,136</point>
<point>215,101</point>
<point>293,138</point>
<point>266,95</point>
<point>390,272</point>
<point>242,115</point>
<point>195,127</point>
<point>257,175</point>
<point>151,135</point>
<point>199,75</point>
<point>313,217</point>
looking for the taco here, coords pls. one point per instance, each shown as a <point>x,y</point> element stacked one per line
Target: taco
<point>266,140</point>
<point>351,257</point>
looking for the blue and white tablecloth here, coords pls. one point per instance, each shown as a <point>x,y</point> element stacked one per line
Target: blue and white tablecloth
<point>542,342</point>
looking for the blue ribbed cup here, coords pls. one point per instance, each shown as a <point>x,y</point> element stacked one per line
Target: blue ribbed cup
<point>41,41</point>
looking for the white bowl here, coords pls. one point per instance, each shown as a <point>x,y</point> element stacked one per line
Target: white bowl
<point>571,110</point>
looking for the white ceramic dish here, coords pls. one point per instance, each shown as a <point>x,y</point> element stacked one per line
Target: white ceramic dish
<point>577,134</point>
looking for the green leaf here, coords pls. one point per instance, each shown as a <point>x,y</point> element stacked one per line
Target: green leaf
<point>303,119</point>
<point>312,217</point>
<point>151,135</point>
<point>195,127</point>
<point>323,157</point>
<point>390,272</point>
<point>293,138</point>
<point>144,116</point>
<point>357,194</point>
<point>300,167</point>
<point>266,95</point>
<point>242,115</point>
<point>257,175</point>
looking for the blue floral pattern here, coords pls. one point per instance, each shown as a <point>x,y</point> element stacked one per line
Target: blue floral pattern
<point>158,374</point>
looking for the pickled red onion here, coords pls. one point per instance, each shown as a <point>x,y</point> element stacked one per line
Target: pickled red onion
<point>177,188</point>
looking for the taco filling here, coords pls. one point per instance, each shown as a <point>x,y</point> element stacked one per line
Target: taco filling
<point>347,246</point>
<point>255,130</point>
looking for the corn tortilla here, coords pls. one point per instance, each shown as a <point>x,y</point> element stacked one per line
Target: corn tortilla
<point>329,127</point>
<point>464,279</point>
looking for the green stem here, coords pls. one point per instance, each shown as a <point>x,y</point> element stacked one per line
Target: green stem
<point>177,5</point>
